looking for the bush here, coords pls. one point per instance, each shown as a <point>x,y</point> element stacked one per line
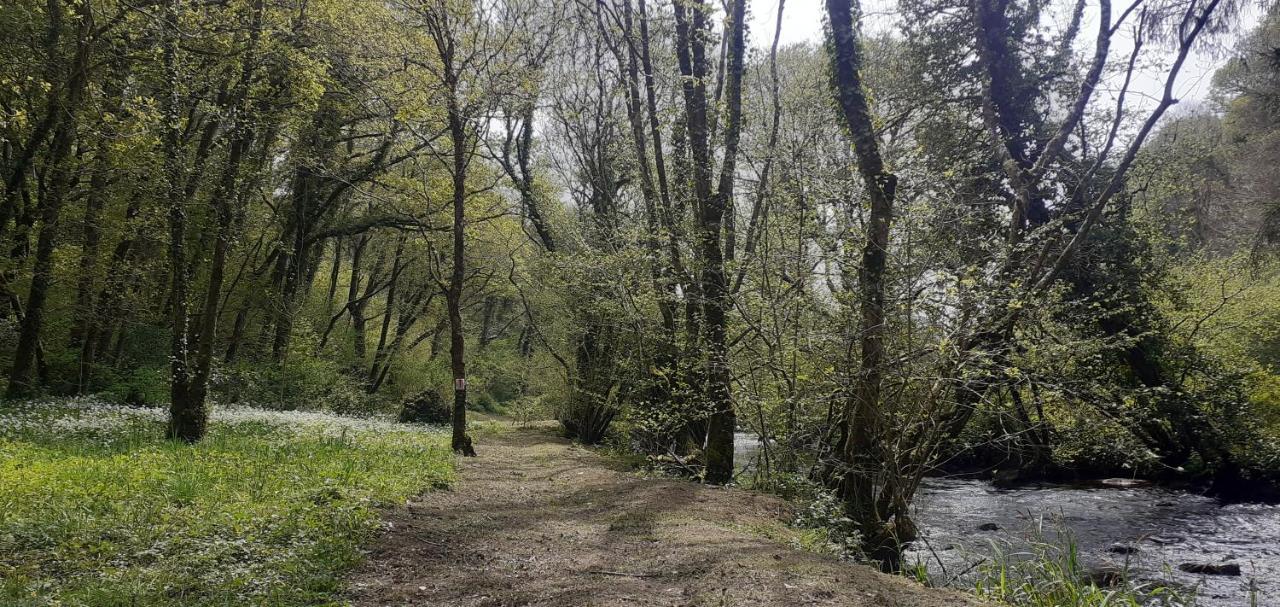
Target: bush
<point>146,386</point>
<point>819,514</point>
<point>482,402</point>
<point>426,408</point>
<point>504,387</point>
<point>528,409</point>
<point>586,417</point>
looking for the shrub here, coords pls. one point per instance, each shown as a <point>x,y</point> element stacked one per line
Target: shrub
<point>484,402</point>
<point>425,408</point>
<point>586,417</point>
<point>819,514</point>
<point>146,386</point>
<point>528,409</point>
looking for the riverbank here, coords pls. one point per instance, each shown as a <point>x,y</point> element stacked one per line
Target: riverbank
<point>536,520</point>
<point>1135,535</point>
<point>1239,482</point>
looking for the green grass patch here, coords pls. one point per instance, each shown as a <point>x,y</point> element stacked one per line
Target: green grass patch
<point>1049,572</point>
<point>97,509</point>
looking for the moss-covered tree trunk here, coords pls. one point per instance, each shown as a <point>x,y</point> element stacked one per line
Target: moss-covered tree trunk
<point>712,202</point>
<point>867,483</point>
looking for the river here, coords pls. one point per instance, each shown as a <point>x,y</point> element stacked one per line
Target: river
<point>1160,529</point>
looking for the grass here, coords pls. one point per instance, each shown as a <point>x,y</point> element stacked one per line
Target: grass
<point>1050,573</point>
<point>96,509</point>
<point>1053,576</point>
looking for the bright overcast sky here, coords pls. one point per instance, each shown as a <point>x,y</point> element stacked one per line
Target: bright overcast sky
<point>802,21</point>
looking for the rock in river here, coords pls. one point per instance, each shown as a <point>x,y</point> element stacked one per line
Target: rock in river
<point>1231,569</point>
<point>1125,482</point>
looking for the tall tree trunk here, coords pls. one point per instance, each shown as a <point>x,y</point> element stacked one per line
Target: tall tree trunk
<point>524,180</point>
<point>380,352</point>
<point>882,531</point>
<point>20,381</point>
<point>188,419</point>
<point>87,308</point>
<point>356,307</point>
<point>334,272</point>
<point>189,412</point>
<point>55,112</point>
<point>667,215</point>
<point>111,297</point>
<point>486,322</point>
<point>759,210</point>
<point>437,336</point>
<point>653,240</point>
<point>291,261</point>
<point>408,317</point>
<point>457,339</point>
<point>224,199</point>
<point>297,259</point>
<point>237,334</point>
<point>691,30</point>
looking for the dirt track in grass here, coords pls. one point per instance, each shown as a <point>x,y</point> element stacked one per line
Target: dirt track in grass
<point>537,521</point>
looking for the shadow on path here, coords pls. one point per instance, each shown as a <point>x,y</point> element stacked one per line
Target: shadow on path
<point>537,521</point>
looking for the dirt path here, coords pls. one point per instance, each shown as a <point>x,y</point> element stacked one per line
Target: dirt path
<point>537,521</point>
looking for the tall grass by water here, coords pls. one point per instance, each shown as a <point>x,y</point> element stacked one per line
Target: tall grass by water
<point>97,509</point>
<point>1052,575</point>
<point>1048,572</point>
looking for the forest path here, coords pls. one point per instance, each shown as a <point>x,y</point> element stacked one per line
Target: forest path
<point>536,520</point>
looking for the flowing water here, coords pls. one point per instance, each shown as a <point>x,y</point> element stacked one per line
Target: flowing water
<point>1158,528</point>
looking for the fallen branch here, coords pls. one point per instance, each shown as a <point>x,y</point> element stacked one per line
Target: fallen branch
<point>624,574</point>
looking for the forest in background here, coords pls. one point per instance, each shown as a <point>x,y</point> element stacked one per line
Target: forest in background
<point>963,244</point>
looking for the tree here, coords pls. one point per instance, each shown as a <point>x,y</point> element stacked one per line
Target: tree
<point>63,112</point>
<point>711,206</point>
<point>473,80</point>
<point>880,513</point>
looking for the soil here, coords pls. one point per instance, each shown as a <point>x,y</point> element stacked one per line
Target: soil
<point>536,520</point>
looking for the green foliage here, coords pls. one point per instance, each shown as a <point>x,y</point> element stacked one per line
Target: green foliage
<point>501,373</point>
<point>426,408</point>
<point>1095,446</point>
<point>529,409</point>
<point>146,385</point>
<point>306,383</point>
<point>97,510</point>
<point>1051,574</point>
<point>819,513</point>
<point>1229,308</point>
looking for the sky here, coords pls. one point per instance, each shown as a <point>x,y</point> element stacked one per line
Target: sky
<point>803,22</point>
